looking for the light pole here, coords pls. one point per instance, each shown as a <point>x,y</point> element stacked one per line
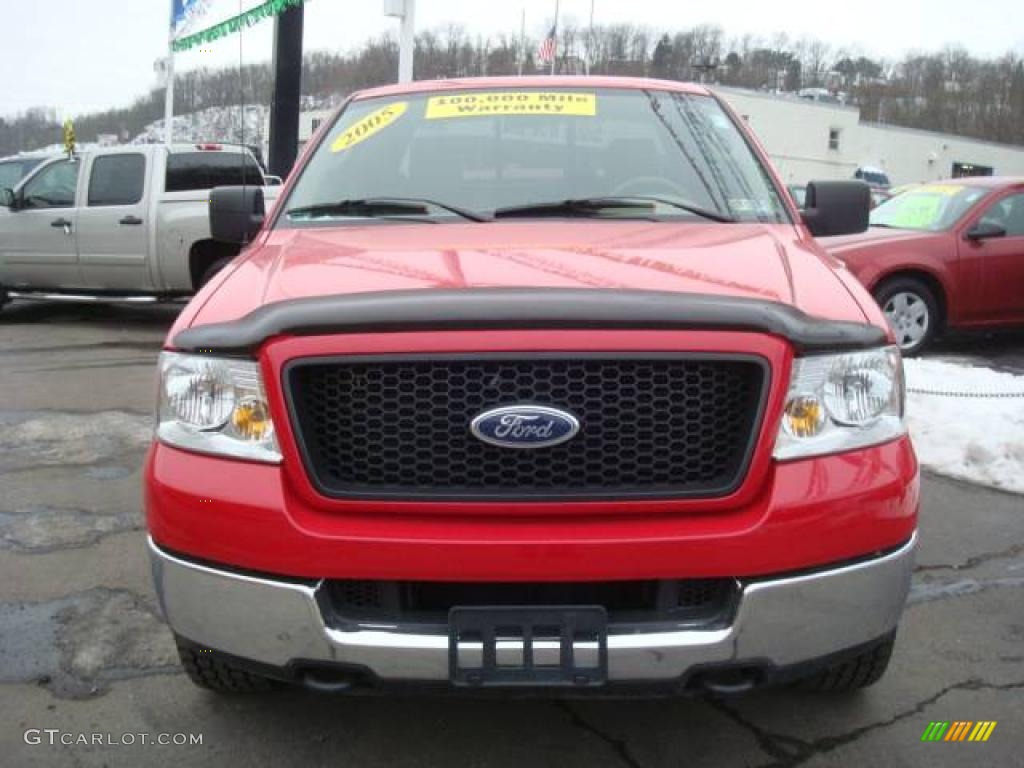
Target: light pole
<point>406,11</point>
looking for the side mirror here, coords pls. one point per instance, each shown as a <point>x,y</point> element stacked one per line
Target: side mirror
<point>236,214</point>
<point>985,230</point>
<point>837,207</point>
<point>7,198</point>
<point>273,181</point>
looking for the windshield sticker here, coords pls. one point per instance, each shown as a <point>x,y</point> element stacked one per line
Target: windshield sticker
<point>941,189</point>
<point>918,211</point>
<point>511,103</point>
<point>373,123</point>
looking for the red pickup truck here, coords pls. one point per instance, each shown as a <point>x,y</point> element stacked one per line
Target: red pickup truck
<point>533,383</point>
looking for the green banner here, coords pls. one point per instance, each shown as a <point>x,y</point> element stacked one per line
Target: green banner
<point>235,24</point>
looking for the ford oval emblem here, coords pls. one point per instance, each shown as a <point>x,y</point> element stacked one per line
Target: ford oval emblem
<point>525,426</point>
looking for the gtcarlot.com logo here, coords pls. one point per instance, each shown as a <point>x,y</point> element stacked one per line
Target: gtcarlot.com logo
<point>54,737</point>
<point>958,730</point>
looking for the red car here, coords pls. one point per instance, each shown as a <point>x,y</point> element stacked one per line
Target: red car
<point>533,383</point>
<point>944,255</point>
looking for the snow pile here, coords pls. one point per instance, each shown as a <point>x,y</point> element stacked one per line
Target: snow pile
<point>980,439</point>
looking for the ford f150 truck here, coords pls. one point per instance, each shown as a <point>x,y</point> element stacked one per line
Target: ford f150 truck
<point>533,383</point>
<point>118,222</point>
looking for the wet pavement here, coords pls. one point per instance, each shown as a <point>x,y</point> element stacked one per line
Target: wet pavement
<point>83,649</point>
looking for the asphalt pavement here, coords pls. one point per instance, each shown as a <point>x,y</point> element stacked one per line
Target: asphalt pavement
<point>85,656</point>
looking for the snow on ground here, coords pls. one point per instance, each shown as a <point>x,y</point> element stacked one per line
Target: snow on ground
<point>980,439</point>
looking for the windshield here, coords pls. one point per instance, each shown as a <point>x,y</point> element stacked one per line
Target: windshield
<point>930,208</point>
<point>485,150</point>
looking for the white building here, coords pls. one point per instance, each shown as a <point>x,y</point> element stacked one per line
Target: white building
<point>815,140</point>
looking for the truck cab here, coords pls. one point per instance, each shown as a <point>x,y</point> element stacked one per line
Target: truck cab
<point>128,220</point>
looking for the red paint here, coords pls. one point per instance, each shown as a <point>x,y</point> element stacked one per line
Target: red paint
<point>982,283</point>
<point>806,513</point>
<point>783,517</point>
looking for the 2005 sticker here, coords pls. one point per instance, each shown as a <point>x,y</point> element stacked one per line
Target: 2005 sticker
<point>373,123</point>
<point>511,103</point>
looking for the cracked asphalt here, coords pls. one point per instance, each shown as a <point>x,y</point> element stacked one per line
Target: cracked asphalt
<point>83,649</point>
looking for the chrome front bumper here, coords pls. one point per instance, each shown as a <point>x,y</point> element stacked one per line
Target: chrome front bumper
<point>781,622</point>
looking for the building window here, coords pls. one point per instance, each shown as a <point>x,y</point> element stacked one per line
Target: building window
<point>833,138</point>
<point>316,123</point>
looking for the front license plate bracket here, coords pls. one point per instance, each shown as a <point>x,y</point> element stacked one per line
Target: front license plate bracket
<point>556,646</point>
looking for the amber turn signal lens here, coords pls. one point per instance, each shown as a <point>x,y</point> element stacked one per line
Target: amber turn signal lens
<point>251,419</point>
<point>804,416</point>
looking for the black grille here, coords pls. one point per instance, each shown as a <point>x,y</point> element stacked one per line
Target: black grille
<point>697,600</point>
<point>649,426</point>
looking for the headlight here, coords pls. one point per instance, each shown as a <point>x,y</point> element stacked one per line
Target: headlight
<point>215,405</point>
<point>838,403</point>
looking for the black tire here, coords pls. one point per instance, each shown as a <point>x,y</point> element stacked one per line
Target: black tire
<point>211,271</point>
<point>852,674</point>
<point>922,294</point>
<point>210,671</point>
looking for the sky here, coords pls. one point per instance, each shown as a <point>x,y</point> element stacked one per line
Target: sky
<point>79,57</point>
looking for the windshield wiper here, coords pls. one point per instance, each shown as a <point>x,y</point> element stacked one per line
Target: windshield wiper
<point>382,206</point>
<point>587,206</point>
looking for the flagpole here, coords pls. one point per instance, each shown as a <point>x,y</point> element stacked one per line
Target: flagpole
<point>522,41</point>
<point>554,54</point>
<point>590,37</point>
<point>169,95</point>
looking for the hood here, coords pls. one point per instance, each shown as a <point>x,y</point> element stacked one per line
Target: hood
<point>880,235</point>
<point>767,262</point>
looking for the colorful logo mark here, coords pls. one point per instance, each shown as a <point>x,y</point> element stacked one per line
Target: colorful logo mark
<point>959,730</point>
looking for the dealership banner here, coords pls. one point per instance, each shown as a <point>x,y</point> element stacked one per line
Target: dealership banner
<point>198,22</point>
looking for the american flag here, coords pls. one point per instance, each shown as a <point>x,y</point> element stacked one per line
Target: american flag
<point>546,51</point>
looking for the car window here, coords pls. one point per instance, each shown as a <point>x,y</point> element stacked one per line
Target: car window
<point>1008,213</point>
<point>10,174</point>
<point>190,171</point>
<point>487,149</point>
<point>117,180</point>
<point>930,208</point>
<point>53,187</point>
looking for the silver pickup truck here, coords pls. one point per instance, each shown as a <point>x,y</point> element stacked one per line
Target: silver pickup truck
<point>119,222</point>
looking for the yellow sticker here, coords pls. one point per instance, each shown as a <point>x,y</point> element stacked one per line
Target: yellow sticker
<point>511,103</point>
<point>369,125</point>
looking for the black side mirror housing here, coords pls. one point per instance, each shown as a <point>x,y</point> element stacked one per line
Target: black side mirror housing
<point>236,214</point>
<point>837,207</point>
<point>985,230</point>
<point>7,198</point>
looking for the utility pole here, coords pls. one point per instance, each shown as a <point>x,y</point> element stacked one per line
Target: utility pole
<point>284,109</point>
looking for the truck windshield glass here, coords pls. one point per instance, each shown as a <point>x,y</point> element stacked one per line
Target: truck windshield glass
<point>930,208</point>
<point>485,150</point>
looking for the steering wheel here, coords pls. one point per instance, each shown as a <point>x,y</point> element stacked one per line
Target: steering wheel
<point>641,185</point>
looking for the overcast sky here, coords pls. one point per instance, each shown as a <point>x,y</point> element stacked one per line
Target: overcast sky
<point>80,56</point>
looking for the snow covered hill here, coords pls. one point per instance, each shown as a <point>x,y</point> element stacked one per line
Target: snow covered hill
<point>246,124</point>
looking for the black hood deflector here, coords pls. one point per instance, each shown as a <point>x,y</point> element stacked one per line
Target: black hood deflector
<point>525,308</point>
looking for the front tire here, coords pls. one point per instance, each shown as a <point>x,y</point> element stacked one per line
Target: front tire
<point>210,671</point>
<point>912,310</point>
<point>852,674</point>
